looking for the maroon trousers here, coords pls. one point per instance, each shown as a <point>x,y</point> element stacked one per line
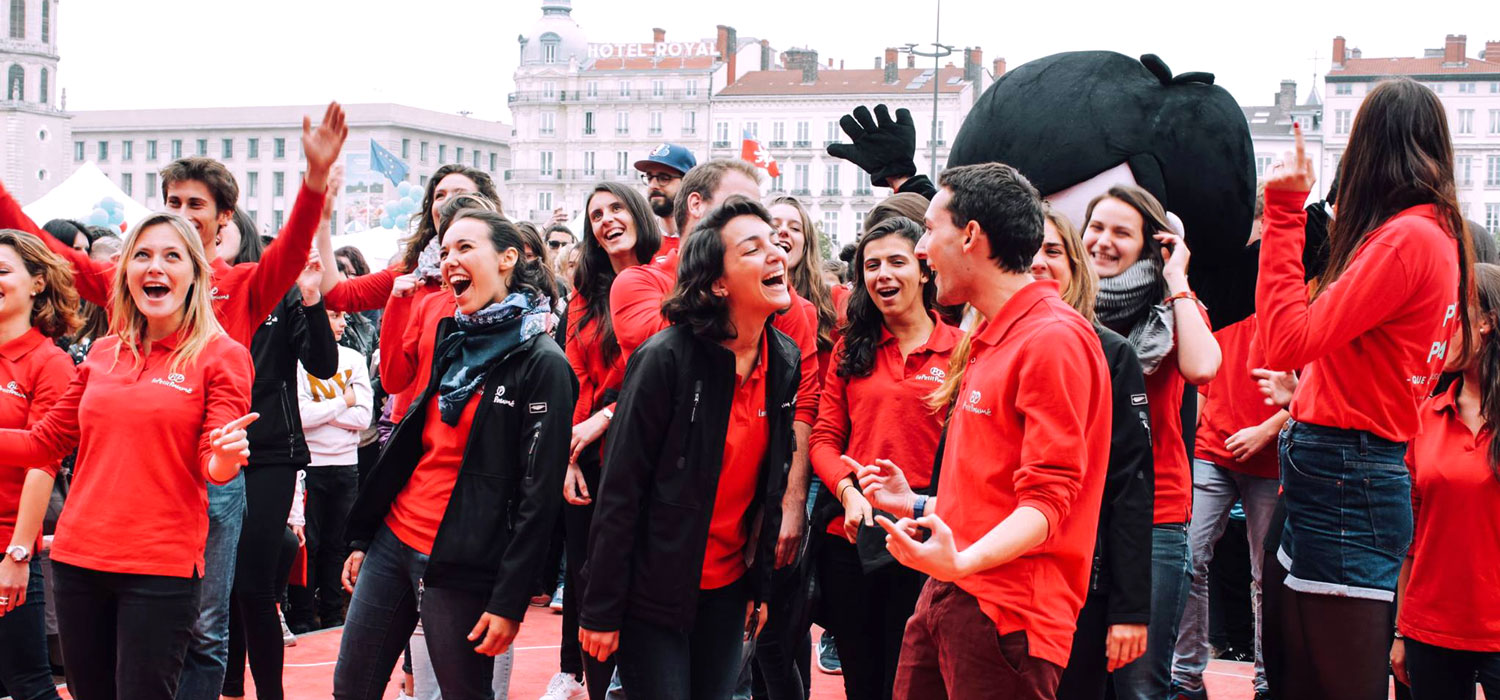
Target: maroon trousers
<point>952,650</point>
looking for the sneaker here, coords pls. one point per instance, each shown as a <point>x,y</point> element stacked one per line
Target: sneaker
<point>565,687</point>
<point>541,601</point>
<point>1263,695</point>
<point>556,603</point>
<point>828,656</point>
<point>287,638</point>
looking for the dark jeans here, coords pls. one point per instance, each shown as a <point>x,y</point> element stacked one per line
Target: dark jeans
<point>571,659</point>
<point>124,635</point>
<point>24,668</point>
<point>388,599</point>
<point>953,650</point>
<point>702,663</point>
<point>1150,677</point>
<point>268,500</point>
<point>330,495</point>
<point>867,613</point>
<point>1437,673</point>
<point>208,648</point>
<point>783,653</point>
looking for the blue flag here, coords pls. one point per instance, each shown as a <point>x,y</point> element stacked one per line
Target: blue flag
<point>387,164</point>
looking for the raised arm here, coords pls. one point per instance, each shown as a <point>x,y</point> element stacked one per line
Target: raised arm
<point>92,278</point>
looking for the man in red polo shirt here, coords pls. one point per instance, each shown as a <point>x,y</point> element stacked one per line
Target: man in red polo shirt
<point>1012,525</point>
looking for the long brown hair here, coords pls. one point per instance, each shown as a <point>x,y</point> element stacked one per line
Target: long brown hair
<point>595,274</point>
<point>866,322</point>
<point>54,309</point>
<point>425,228</point>
<point>1400,155</point>
<point>807,275</point>
<point>1487,355</point>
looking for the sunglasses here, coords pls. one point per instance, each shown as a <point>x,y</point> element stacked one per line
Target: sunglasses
<point>556,244</point>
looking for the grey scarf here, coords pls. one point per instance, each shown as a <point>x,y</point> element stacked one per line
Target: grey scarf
<point>1130,304</point>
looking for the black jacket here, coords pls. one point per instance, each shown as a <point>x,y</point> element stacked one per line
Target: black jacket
<point>1122,549</point>
<point>498,525</point>
<point>292,333</point>
<point>661,474</point>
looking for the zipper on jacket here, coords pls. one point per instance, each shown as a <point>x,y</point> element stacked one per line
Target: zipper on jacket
<point>692,420</point>
<point>536,438</point>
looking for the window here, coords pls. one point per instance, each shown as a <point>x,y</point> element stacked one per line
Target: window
<point>442,153</point>
<point>721,134</point>
<point>549,124</point>
<point>692,88</point>
<point>252,148</point>
<point>252,184</point>
<point>622,122</point>
<point>422,181</point>
<point>655,129</point>
<point>588,123</point>
<point>546,163</point>
<point>624,88</point>
<point>494,161</point>
<point>228,148</point>
<point>127,150</point>
<point>277,217</point>
<point>1465,121</point>
<point>1341,119</point>
<point>474,156</point>
<point>862,183</point>
<point>799,178</point>
<point>15,84</point>
<point>46,21</point>
<point>458,154</point>
<point>1466,88</point>
<point>689,123</point>
<point>1437,88</point>
<point>592,88</point>
<point>549,89</point>
<point>778,133</point>
<point>1492,216</point>
<point>1261,163</point>
<point>278,185</point>
<point>42,94</point>
<point>803,139</point>
<point>278,151</point>
<point>1492,171</point>
<point>151,150</point>
<point>1495,121</point>
<point>859,221</point>
<point>831,179</point>
<point>203,147</point>
<point>940,132</point>
<point>1343,89</point>
<point>622,162</point>
<point>423,149</point>
<point>176,149</point>
<point>588,163</point>
<point>405,149</point>
<point>18,19</point>
<point>150,185</point>
<point>831,224</point>
<point>103,151</point>
<point>549,51</point>
<point>833,132</point>
<point>78,149</point>
<point>1494,88</point>
<point>777,183</point>
<point>127,184</point>
<point>544,202</point>
<point>754,129</point>
<point>658,88</point>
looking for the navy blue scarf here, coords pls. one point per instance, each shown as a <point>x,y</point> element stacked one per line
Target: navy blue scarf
<point>481,340</point>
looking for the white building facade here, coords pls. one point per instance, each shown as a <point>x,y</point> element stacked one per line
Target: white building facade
<point>262,147</point>
<point>33,125</point>
<point>1271,131</point>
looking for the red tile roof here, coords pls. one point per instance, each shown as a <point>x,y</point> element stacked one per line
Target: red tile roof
<point>840,82</point>
<point>1412,66</point>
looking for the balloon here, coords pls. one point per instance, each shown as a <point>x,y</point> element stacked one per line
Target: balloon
<point>403,188</point>
<point>98,217</point>
<point>387,221</point>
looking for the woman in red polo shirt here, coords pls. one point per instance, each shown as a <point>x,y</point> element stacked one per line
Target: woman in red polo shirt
<point>1448,634</point>
<point>1369,344</point>
<point>687,517</point>
<point>893,355</point>
<point>454,522</point>
<point>126,569</point>
<point>804,260</point>
<point>620,232</point>
<point>1144,295</point>
<point>40,304</point>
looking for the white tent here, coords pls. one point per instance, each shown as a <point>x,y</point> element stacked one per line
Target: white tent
<point>378,245</point>
<point>76,197</point>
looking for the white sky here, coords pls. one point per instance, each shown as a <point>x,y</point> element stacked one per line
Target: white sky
<point>457,55</point>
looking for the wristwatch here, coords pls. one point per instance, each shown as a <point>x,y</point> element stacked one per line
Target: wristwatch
<point>919,507</point>
<point>18,554</point>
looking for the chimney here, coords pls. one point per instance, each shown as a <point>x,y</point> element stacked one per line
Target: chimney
<point>1339,53</point>
<point>1356,53</point>
<point>890,67</point>
<point>1491,51</point>
<point>727,45</point>
<point>911,60</point>
<point>877,63</point>
<point>841,64</point>
<point>765,54</point>
<point>805,60</point>
<point>1287,97</point>
<point>658,35</point>
<point>830,64</point>
<point>999,67</point>
<point>973,59</point>
<point>1453,50</point>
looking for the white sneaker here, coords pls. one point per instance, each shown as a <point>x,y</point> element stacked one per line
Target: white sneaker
<point>565,687</point>
<point>287,638</point>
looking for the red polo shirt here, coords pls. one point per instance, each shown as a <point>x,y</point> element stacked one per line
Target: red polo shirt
<point>883,415</point>
<point>34,374</point>
<point>138,503</point>
<point>1373,342</point>
<point>406,344</point>
<point>1031,427</point>
<point>1451,598</point>
<point>744,450</point>
<point>669,247</point>
<point>585,355</point>
<point>418,509</point>
<point>1233,402</point>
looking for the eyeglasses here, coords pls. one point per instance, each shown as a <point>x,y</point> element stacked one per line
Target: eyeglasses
<point>556,244</point>
<point>663,178</point>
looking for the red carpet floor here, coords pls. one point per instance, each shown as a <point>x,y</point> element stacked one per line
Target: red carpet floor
<point>309,666</point>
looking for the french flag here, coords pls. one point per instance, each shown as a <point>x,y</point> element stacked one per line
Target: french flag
<point>753,151</point>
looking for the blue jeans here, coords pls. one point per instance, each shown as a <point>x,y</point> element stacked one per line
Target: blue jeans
<point>25,669</point>
<point>1348,511</point>
<point>703,663</point>
<point>208,647</point>
<point>389,598</point>
<point>424,680</point>
<point>1150,677</point>
<point>1215,489</point>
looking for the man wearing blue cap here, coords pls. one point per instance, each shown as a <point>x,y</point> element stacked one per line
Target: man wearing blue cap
<point>662,173</point>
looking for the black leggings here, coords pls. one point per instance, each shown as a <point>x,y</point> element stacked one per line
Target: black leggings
<point>252,618</point>
<point>572,660</point>
<point>867,613</point>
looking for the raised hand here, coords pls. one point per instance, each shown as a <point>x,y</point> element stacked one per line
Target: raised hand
<point>1295,172</point>
<point>321,145</point>
<point>883,147</point>
<point>335,182</point>
<point>311,280</point>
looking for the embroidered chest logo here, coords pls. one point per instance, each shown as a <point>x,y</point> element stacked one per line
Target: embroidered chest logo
<point>216,296</point>
<point>13,389</point>
<point>270,320</point>
<point>500,397</point>
<point>934,374</point>
<point>972,405</point>
<point>174,380</point>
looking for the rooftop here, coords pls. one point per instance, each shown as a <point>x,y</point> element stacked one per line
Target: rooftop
<point>286,117</point>
<point>865,81</point>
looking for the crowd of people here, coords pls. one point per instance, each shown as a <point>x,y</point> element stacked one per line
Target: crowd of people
<point>989,449</point>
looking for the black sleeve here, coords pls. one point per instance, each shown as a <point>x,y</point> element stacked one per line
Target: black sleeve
<point>632,452</point>
<point>919,184</point>
<point>1129,489</point>
<point>313,337</point>
<point>548,393</point>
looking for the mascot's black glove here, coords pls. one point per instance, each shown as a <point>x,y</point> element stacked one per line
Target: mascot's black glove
<point>882,147</point>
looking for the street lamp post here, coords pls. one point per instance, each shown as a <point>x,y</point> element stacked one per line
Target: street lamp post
<point>937,54</point>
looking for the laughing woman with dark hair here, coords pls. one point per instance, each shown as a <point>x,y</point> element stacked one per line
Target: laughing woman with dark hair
<point>689,510</point>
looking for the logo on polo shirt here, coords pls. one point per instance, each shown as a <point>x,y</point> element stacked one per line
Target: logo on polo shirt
<point>13,389</point>
<point>972,405</point>
<point>270,320</point>
<point>216,296</point>
<point>174,380</point>
<point>499,393</point>
<point>934,374</point>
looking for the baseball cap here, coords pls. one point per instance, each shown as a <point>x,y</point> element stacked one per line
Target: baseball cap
<point>671,155</point>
